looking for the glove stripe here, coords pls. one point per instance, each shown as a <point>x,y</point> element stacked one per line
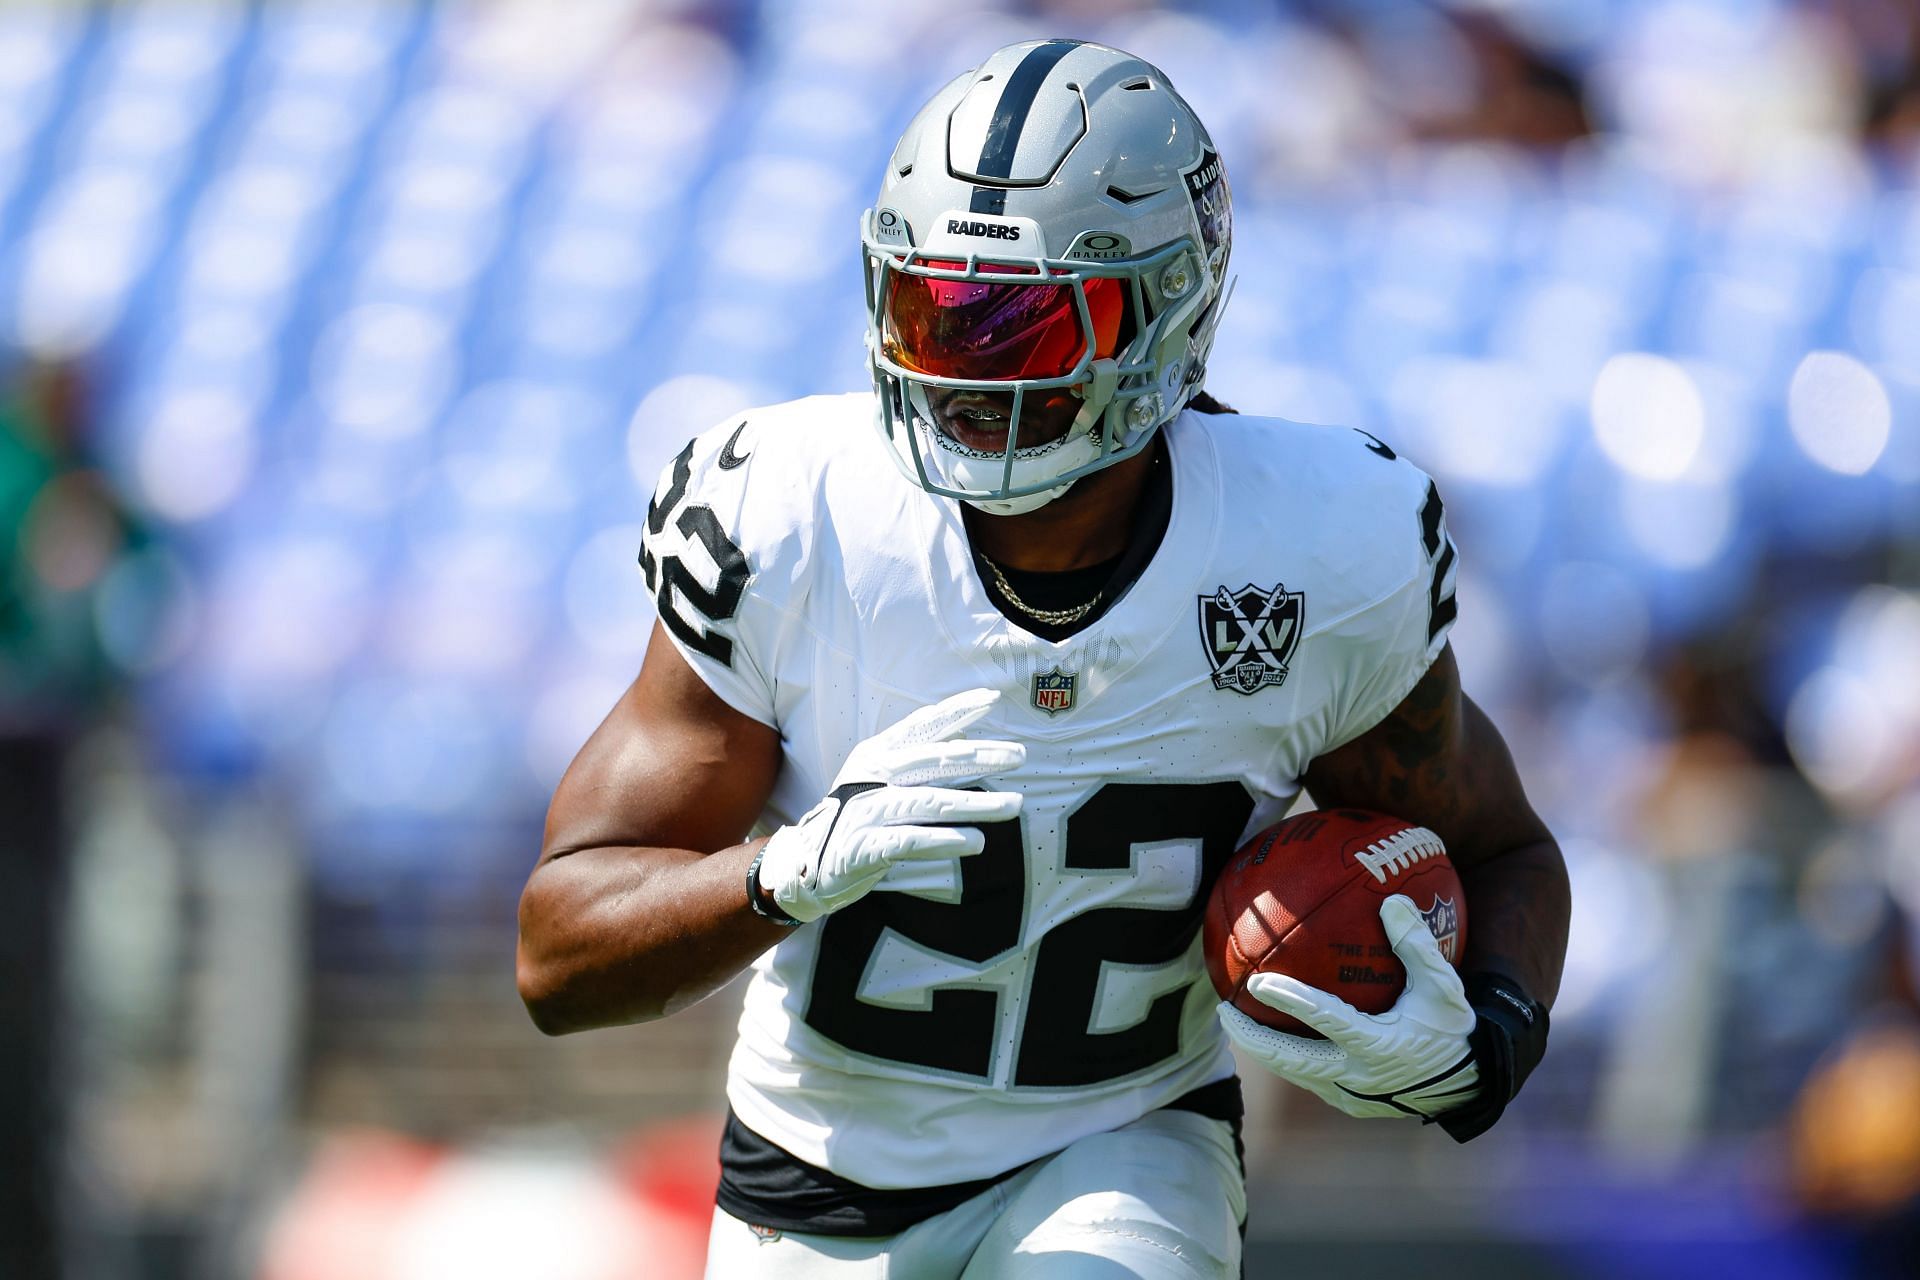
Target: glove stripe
<point>844,794</point>
<point>1386,1098</point>
<point>1390,1096</point>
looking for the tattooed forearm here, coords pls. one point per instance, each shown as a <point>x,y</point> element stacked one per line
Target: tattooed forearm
<point>1437,760</point>
<point>1404,756</point>
<point>1517,916</point>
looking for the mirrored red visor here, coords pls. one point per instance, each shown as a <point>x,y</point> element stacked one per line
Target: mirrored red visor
<point>988,331</point>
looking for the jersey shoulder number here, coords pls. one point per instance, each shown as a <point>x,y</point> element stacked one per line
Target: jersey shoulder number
<point>1383,564</point>
<point>1428,566</point>
<point>1438,545</point>
<point>696,571</point>
<point>732,540</point>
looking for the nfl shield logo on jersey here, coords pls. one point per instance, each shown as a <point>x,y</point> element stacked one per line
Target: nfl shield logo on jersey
<point>1443,919</point>
<point>1053,691</point>
<point>1250,635</point>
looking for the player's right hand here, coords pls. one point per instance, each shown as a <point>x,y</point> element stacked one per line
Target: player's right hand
<point>1412,1060</point>
<point>884,808</point>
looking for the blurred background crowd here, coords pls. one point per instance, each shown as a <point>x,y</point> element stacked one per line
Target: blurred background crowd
<point>343,342</point>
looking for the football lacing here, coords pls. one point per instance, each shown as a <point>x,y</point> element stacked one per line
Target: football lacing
<point>1399,851</point>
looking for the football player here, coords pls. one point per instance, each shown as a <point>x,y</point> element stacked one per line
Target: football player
<point>962,691</point>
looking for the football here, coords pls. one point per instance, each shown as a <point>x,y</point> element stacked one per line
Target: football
<point>1303,898</point>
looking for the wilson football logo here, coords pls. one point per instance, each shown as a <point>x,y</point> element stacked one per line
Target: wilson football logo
<point>1251,634</point>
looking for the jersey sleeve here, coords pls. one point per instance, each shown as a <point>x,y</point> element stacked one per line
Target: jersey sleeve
<point>1389,643</point>
<point>708,577</point>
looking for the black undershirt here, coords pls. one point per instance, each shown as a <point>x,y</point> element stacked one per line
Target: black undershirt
<point>764,1186</point>
<point>1070,588</point>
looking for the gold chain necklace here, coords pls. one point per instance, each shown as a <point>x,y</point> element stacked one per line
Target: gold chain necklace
<point>1051,617</point>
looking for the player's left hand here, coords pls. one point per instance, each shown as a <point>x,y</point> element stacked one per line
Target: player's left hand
<point>1412,1060</point>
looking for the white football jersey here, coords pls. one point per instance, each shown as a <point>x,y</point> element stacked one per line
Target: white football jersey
<point>962,1022</point>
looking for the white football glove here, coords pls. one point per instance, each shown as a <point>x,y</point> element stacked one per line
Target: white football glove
<point>882,810</point>
<point>1412,1060</point>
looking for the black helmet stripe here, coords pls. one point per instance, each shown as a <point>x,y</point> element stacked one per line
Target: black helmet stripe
<point>1010,117</point>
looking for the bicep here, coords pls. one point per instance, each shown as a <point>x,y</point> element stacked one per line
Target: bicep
<point>672,766</point>
<point>1436,760</point>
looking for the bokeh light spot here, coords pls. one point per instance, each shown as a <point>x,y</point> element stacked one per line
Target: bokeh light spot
<point>1840,734</point>
<point>1648,415</point>
<point>1839,412</point>
<point>674,410</point>
<point>195,454</point>
<point>1678,526</point>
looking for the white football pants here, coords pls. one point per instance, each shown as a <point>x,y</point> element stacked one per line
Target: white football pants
<point>1158,1199</point>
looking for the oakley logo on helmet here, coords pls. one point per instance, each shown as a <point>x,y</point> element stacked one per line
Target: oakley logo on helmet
<point>890,228</point>
<point>991,230</point>
<point>1100,246</point>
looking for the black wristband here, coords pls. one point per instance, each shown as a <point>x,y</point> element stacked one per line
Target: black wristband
<point>1508,1040</point>
<point>760,900</point>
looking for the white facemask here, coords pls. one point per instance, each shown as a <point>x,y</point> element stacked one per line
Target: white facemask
<point>953,465</point>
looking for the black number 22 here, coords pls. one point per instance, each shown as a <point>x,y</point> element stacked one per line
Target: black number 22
<point>1058,1048</point>
<point>697,523</point>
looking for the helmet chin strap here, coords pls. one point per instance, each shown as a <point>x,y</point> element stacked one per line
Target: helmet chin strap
<point>1096,394</point>
<point>1018,506</point>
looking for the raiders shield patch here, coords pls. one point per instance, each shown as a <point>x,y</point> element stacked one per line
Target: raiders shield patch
<point>1053,690</point>
<point>1250,635</point>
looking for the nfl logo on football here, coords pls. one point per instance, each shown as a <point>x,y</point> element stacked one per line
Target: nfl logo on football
<point>1443,919</point>
<point>1053,691</point>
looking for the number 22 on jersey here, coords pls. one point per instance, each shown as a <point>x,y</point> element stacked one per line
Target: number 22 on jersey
<point>956,1028</point>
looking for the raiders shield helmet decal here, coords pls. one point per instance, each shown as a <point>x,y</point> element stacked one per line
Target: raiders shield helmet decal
<point>1250,635</point>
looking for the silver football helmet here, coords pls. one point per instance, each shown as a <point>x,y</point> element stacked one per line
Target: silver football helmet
<point>1054,220</point>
